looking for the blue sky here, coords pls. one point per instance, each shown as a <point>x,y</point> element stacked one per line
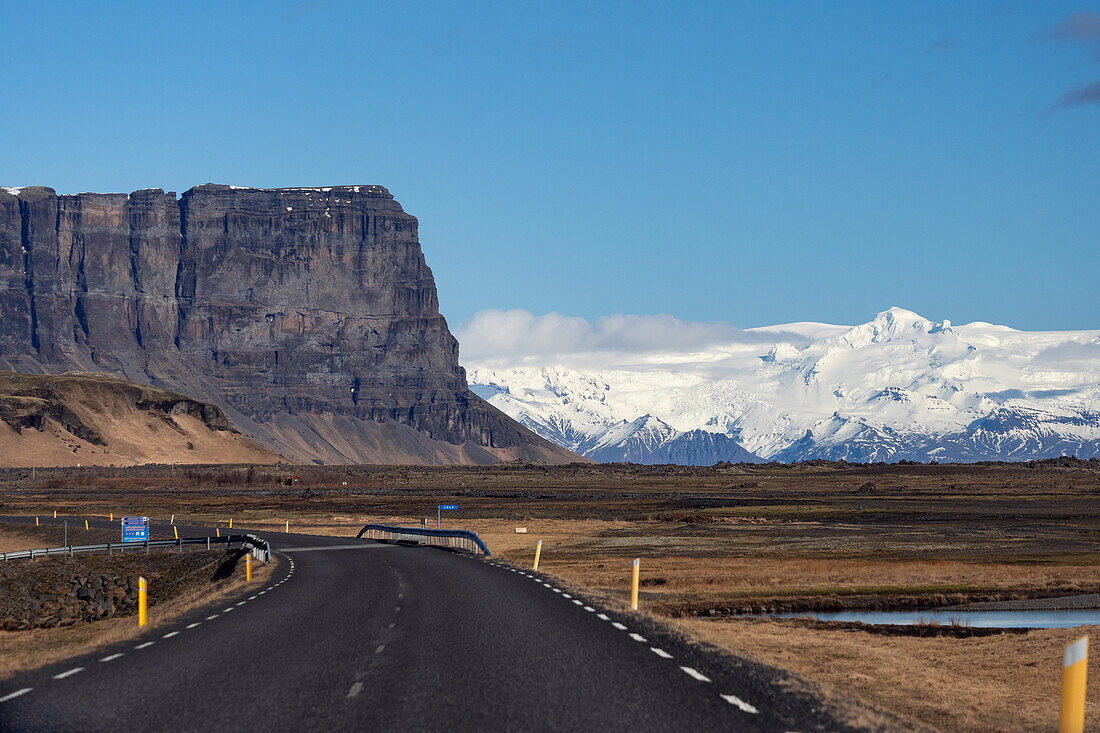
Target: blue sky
<point>752,163</point>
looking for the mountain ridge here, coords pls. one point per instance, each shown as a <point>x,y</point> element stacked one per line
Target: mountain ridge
<point>899,387</point>
<point>293,310</point>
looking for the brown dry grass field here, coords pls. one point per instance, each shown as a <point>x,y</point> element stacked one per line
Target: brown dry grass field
<point>717,541</point>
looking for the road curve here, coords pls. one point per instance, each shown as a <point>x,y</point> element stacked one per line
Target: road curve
<point>355,634</point>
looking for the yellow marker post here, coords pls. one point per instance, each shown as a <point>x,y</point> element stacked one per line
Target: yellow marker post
<point>538,552</point>
<point>55,514</point>
<point>288,526</point>
<point>173,520</point>
<point>1075,662</point>
<point>634,587</point>
<point>248,568</point>
<point>86,524</point>
<point>231,522</point>
<point>218,531</point>
<point>176,532</point>
<point>143,604</point>
<point>112,516</point>
<point>36,521</point>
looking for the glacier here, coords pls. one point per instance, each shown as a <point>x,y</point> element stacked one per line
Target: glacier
<point>899,387</point>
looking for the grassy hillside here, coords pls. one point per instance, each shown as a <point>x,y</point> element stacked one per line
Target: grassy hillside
<point>95,419</point>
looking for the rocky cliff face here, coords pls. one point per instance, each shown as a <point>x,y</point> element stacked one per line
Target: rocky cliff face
<point>308,314</point>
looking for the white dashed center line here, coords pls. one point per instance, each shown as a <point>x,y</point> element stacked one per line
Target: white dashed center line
<point>566,595</point>
<point>602,617</point>
<point>355,689</point>
<point>660,653</point>
<point>211,618</point>
<point>735,700</point>
<point>637,637</point>
<point>68,673</point>
<point>17,693</point>
<point>618,626</point>
<point>146,644</point>
<point>579,603</point>
<point>696,674</point>
<point>589,609</point>
<point>227,610</point>
<point>111,658</point>
<point>191,626</point>
<point>380,648</point>
<point>170,634</point>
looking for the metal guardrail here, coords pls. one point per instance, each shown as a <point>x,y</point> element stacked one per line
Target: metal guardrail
<point>458,538</point>
<point>259,548</point>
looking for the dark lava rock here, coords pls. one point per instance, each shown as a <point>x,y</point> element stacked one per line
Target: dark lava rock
<point>308,315</point>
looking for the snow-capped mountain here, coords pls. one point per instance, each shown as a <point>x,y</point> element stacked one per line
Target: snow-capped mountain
<point>898,387</point>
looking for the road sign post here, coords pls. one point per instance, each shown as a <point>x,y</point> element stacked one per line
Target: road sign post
<point>439,513</point>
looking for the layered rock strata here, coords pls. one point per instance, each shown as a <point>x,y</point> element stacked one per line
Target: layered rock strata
<point>308,314</point>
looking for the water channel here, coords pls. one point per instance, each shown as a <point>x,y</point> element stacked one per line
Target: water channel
<point>1029,619</point>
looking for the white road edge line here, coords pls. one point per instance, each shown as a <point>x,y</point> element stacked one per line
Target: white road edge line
<point>68,673</point>
<point>355,689</point>
<point>211,618</point>
<point>191,626</point>
<point>566,595</point>
<point>17,693</point>
<point>380,648</point>
<point>603,617</point>
<point>170,634</point>
<point>142,646</point>
<point>579,603</point>
<point>637,637</point>
<point>111,658</point>
<point>732,700</point>
<point>618,626</point>
<point>660,653</point>
<point>696,674</point>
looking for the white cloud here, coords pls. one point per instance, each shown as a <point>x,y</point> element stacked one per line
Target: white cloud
<point>510,336</point>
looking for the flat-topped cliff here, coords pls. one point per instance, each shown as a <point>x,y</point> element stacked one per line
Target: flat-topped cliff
<point>308,314</point>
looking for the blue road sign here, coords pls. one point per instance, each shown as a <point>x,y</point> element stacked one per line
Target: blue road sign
<point>448,507</point>
<point>135,529</point>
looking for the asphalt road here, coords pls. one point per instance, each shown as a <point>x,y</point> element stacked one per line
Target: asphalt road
<point>359,635</point>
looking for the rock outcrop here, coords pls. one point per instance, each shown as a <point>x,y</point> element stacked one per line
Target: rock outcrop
<point>308,314</point>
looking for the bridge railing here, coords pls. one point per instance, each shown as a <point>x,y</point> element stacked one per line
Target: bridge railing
<point>457,538</point>
<point>259,548</point>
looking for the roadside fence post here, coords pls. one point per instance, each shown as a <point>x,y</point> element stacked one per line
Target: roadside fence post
<point>634,587</point>
<point>143,607</point>
<point>1075,660</point>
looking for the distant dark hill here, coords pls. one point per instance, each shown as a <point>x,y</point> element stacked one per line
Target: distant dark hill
<point>307,314</point>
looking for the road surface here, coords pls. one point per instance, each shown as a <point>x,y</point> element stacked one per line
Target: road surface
<point>361,635</point>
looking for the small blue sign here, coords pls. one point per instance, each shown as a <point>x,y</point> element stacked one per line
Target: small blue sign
<point>448,507</point>
<point>135,529</point>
